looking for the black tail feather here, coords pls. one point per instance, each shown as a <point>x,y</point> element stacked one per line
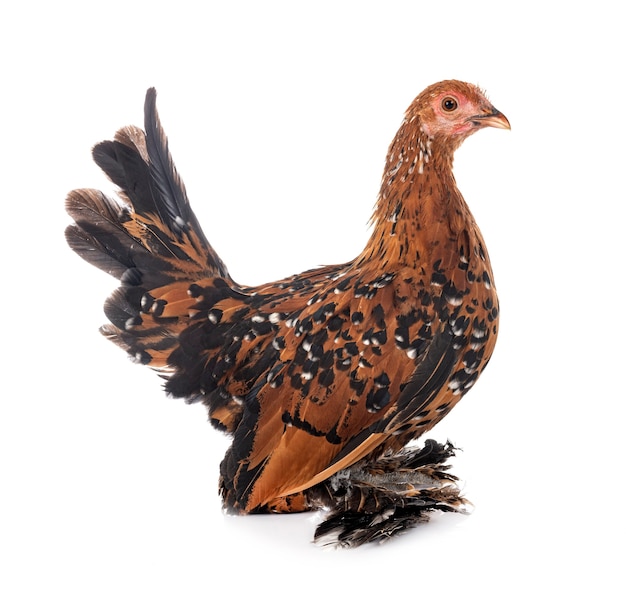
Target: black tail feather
<point>98,236</point>
<point>164,175</point>
<point>149,234</point>
<point>147,237</point>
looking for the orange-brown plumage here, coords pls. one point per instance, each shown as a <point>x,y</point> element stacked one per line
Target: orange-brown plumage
<point>325,376</point>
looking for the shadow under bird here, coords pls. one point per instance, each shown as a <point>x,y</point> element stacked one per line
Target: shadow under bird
<point>321,379</point>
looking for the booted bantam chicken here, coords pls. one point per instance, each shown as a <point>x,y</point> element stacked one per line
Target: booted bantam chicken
<point>321,379</point>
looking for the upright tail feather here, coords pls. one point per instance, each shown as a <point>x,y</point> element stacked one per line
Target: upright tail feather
<point>149,236</point>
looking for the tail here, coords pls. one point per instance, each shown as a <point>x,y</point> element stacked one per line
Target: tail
<point>375,499</point>
<point>148,238</point>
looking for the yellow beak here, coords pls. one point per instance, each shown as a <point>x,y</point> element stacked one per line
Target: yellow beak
<point>492,119</point>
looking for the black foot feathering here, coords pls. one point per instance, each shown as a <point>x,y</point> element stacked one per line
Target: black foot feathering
<point>372,501</point>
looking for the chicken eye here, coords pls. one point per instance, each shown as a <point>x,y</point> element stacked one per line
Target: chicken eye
<point>449,104</point>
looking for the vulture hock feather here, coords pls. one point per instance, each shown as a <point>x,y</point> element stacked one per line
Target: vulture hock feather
<point>323,378</point>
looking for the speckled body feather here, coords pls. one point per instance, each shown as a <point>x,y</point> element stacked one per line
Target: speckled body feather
<point>332,369</point>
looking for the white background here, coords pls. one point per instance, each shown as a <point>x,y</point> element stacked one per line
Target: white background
<point>279,116</point>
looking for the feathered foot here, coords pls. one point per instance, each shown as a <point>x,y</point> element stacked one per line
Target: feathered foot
<point>374,500</point>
